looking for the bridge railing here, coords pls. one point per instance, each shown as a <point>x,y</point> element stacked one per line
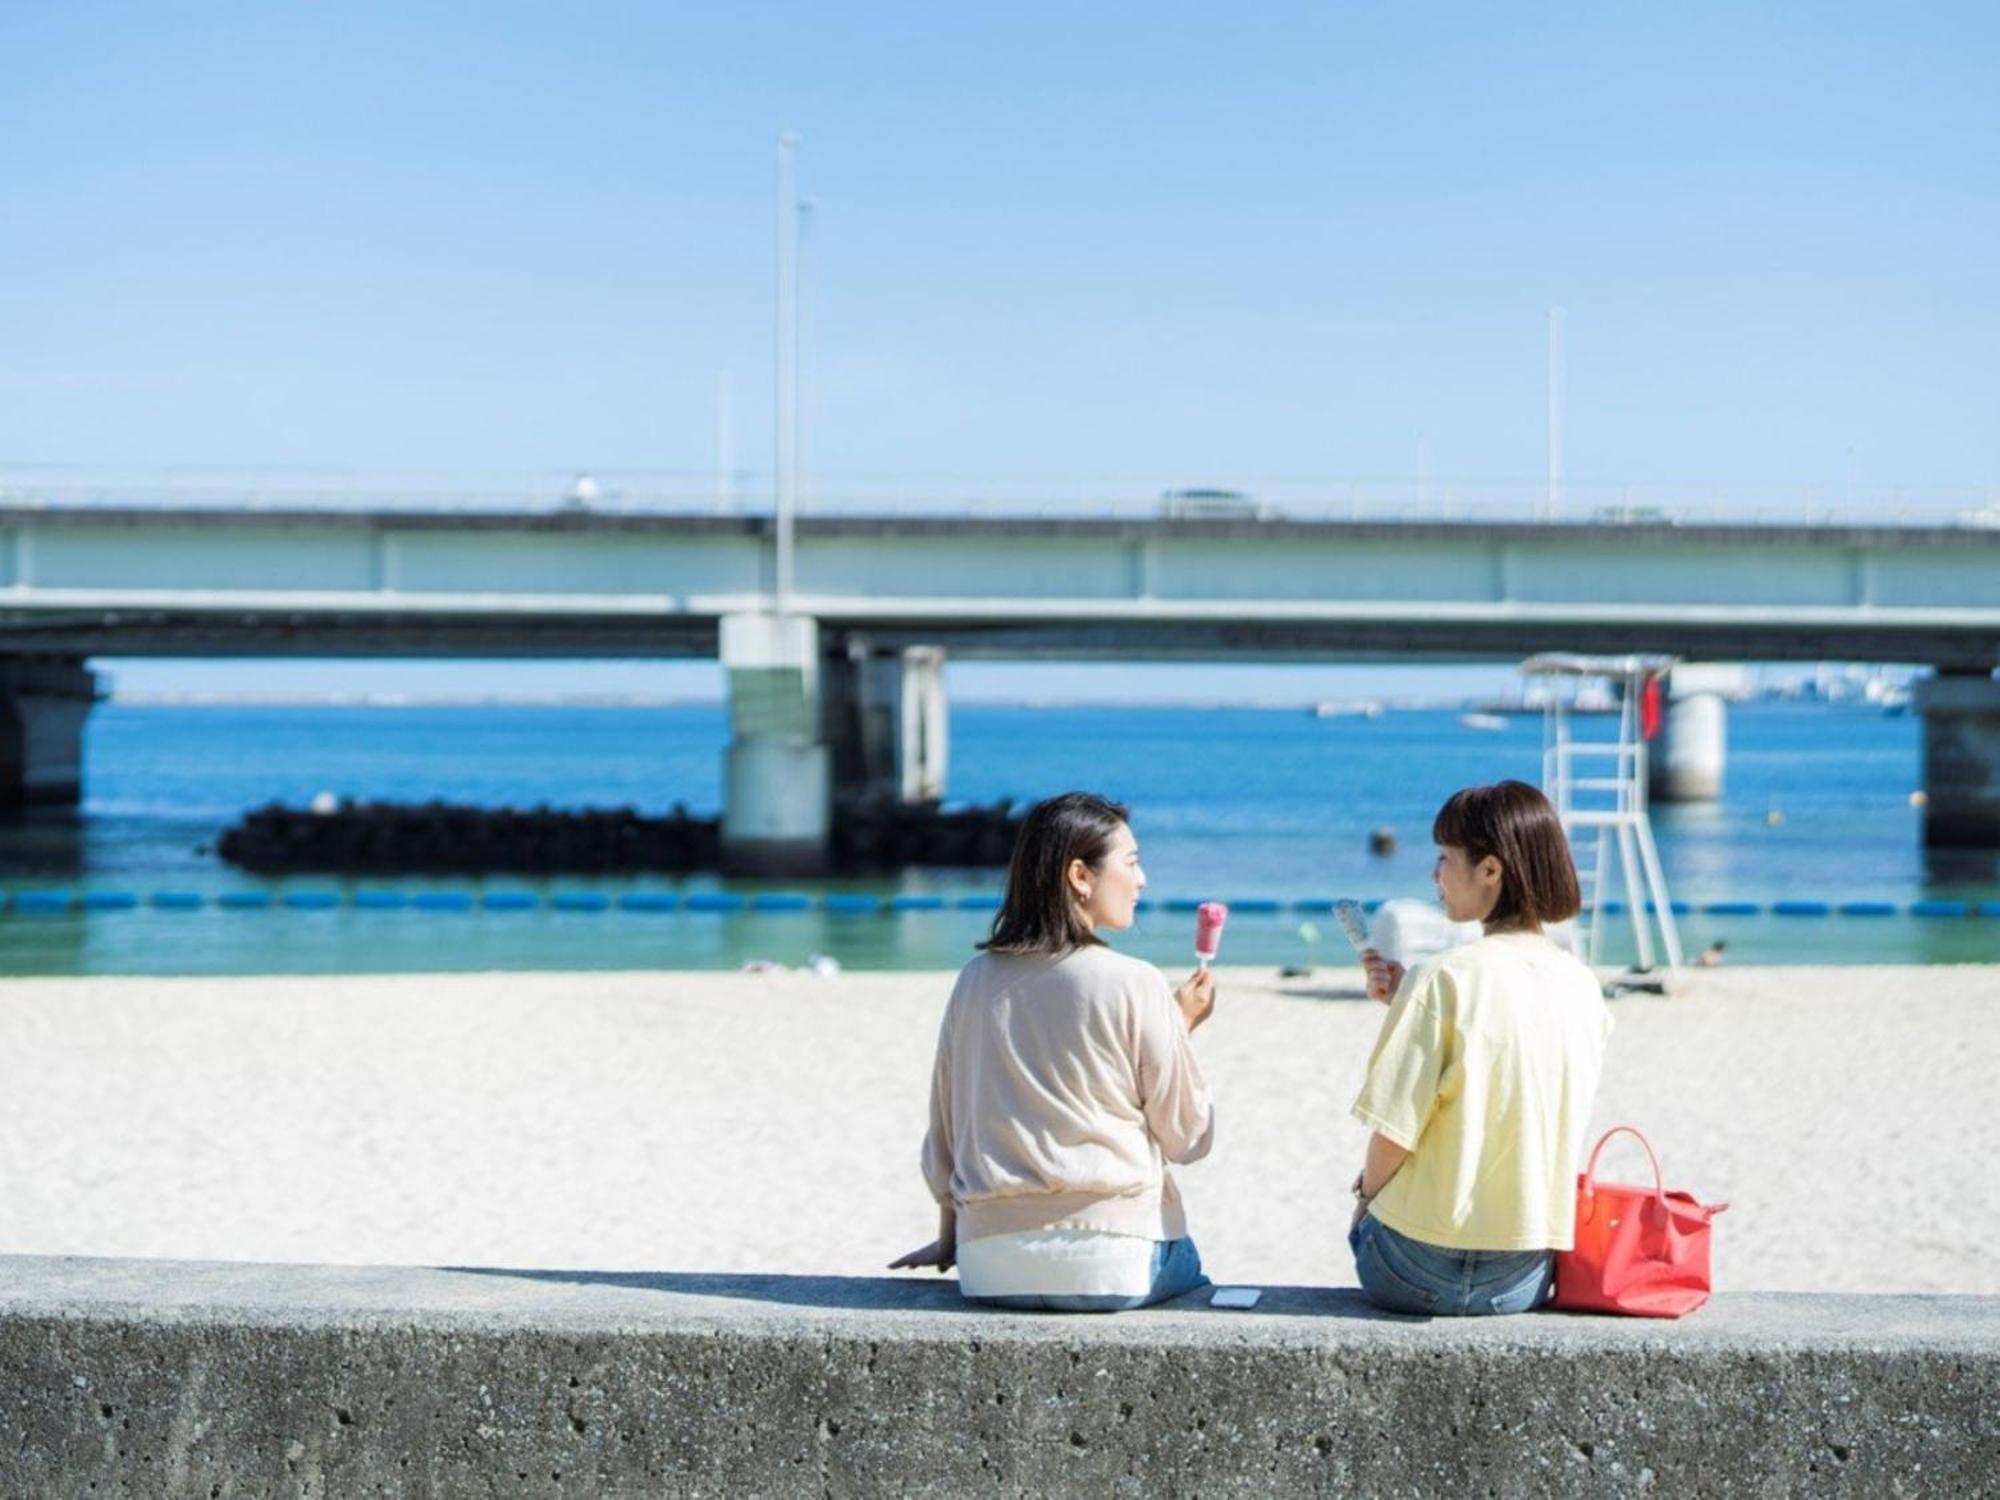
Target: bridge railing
<point>749,493</point>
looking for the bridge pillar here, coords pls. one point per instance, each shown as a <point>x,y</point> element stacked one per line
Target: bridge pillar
<point>924,751</point>
<point>1961,760</point>
<point>43,703</point>
<point>1692,759</point>
<point>886,723</point>
<point>776,808</point>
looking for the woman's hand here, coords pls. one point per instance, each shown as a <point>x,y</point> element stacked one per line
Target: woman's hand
<point>940,1253</point>
<point>1384,975</point>
<point>1196,998</point>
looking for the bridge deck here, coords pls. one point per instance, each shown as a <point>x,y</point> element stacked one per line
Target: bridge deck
<point>94,581</point>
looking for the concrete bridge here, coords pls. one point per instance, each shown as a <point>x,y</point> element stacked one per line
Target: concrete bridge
<point>842,694</point>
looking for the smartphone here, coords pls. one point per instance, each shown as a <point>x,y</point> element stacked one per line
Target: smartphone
<point>1353,921</point>
<point>1235,1296</point>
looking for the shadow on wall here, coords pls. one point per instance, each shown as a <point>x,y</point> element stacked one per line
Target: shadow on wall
<point>934,1295</point>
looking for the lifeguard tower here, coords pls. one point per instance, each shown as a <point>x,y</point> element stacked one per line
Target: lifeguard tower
<point>1598,786</point>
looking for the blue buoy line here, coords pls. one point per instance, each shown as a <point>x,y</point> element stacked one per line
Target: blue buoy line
<point>41,901</point>
<point>630,901</point>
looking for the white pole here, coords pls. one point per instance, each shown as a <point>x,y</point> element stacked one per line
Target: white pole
<point>803,351</point>
<point>788,350</point>
<point>725,439</point>
<point>1553,505</point>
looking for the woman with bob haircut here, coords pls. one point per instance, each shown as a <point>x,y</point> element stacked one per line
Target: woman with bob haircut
<point>1064,1084</point>
<point>1482,1079</point>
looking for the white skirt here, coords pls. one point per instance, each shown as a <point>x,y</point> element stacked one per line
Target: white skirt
<point>1056,1263</point>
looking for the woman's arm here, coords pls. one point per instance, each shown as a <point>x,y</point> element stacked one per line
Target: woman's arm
<point>937,1161</point>
<point>1385,1158</point>
<point>1173,1096</point>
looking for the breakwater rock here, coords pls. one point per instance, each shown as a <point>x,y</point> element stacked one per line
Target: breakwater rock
<point>440,838</point>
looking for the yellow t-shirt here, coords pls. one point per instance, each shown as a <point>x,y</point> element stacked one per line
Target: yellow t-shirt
<point>1485,1071</point>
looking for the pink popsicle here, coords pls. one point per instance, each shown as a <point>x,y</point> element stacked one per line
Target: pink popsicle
<point>1208,920</point>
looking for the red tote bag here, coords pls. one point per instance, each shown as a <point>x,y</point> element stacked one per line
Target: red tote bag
<point>1640,1251</point>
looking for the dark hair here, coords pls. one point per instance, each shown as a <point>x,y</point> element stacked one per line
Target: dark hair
<point>1039,915</point>
<point>1514,823</point>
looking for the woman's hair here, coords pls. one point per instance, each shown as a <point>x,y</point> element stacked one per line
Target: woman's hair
<point>1039,914</point>
<point>1515,824</point>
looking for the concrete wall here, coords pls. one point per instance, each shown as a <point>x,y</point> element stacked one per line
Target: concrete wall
<point>161,1378</point>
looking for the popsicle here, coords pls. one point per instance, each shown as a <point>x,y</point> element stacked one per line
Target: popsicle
<point>1208,920</point>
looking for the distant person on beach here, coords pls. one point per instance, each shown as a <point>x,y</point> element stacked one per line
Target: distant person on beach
<point>1064,1084</point>
<point>1482,1077</point>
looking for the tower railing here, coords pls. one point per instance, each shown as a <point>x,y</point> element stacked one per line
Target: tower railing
<point>1598,787</point>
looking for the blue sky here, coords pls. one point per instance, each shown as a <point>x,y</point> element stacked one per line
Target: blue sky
<point>1188,244</point>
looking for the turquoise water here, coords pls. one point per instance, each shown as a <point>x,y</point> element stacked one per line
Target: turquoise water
<point>1231,804</point>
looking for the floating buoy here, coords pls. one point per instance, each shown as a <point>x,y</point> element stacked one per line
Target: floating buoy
<point>641,901</point>
<point>1940,908</point>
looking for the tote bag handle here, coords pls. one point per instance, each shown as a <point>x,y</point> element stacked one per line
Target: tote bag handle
<point>1589,1183</point>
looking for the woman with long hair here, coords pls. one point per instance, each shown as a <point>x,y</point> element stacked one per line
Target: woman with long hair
<point>1482,1078</point>
<point>1064,1084</point>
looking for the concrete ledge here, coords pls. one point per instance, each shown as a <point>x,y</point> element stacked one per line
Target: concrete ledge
<point>167,1378</point>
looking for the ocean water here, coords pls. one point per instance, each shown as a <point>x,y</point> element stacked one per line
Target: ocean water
<point>1232,804</point>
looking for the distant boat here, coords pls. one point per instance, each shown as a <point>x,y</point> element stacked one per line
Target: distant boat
<point>1367,710</point>
<point>1482,721</point>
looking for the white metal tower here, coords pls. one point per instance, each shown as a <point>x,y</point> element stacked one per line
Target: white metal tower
<point>1598,786</point>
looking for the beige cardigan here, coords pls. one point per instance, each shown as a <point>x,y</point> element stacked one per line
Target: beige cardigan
<point>1062,1087</point>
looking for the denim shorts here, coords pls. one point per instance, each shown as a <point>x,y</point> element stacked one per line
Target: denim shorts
<point>1176,1272</point>
<point>1404,1275</point>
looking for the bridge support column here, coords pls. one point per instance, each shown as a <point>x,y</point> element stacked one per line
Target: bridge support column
<point>923,754</point>
<point>1961,760</point>
<point>1692,760</point>
<point>775,784</point>
<point>886,724</point>
<point>43,703</point>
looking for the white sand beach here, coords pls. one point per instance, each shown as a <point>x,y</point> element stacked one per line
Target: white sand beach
<point>734,1122</point>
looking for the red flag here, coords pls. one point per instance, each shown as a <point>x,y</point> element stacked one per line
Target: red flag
<point>1649,709</point>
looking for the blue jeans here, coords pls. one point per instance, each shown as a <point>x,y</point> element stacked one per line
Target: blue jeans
<point>1176,1272</point>
<point>1410,1276</point>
